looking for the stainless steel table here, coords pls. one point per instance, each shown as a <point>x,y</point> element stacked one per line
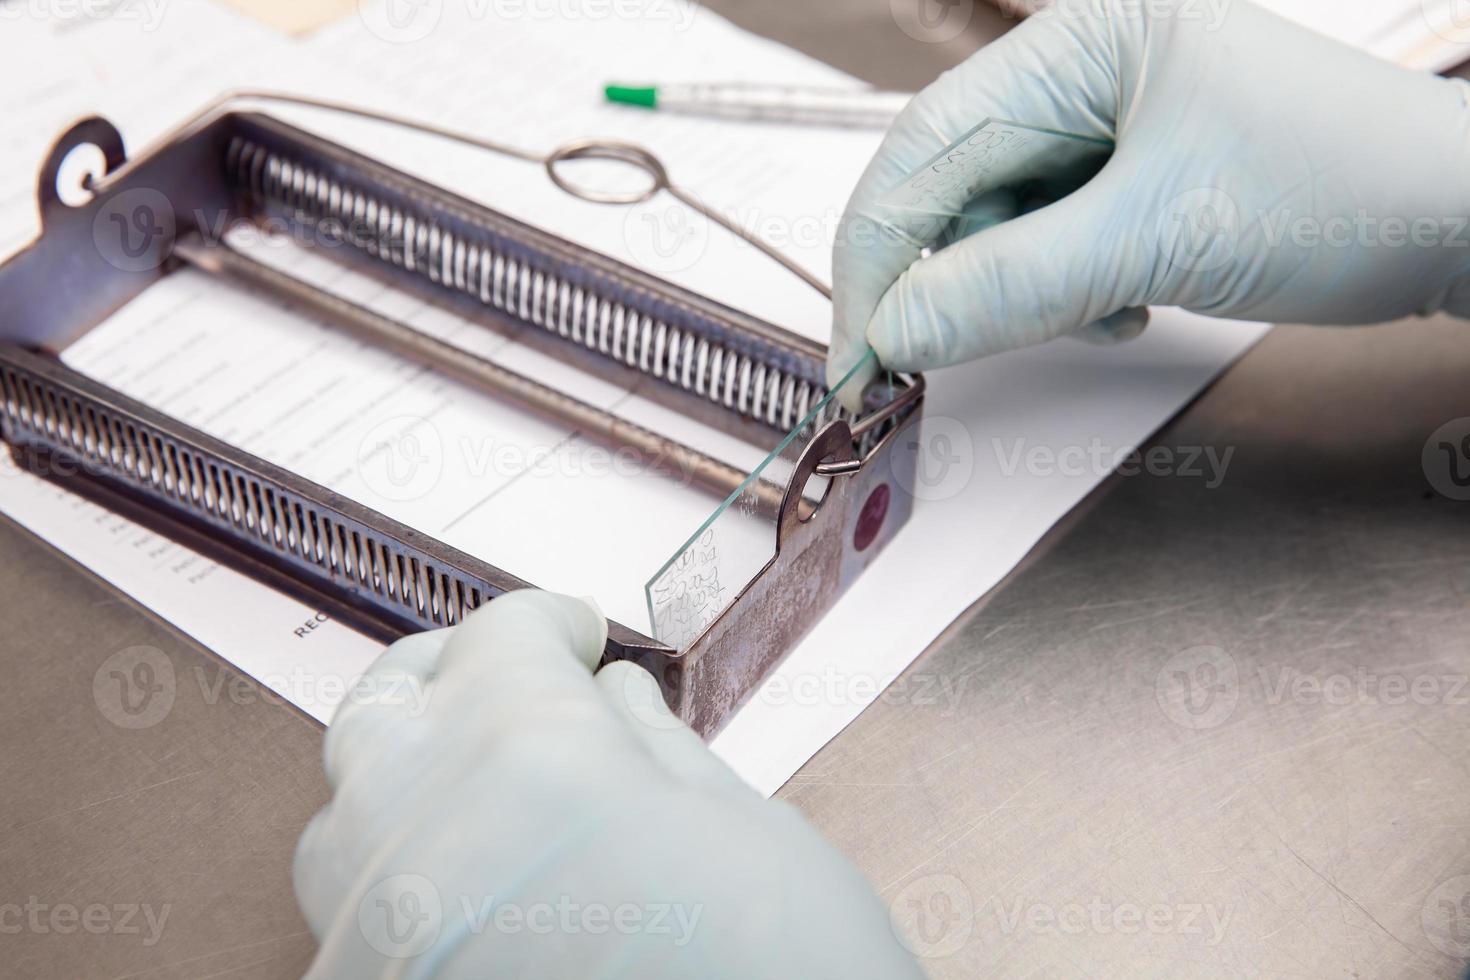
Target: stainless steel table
<point>1243,711</point>
<point>1200,732</point>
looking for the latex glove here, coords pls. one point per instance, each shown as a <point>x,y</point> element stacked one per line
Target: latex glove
<point>1238,134</point>
<point>496,808</point>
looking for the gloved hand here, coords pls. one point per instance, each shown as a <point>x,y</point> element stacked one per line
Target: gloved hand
<point>1261,171</point>
<point>498,811</point>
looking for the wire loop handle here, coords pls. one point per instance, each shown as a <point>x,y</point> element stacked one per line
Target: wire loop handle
<point>617,151</point>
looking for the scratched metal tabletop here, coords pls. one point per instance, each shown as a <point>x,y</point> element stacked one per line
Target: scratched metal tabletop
<point>1202,731</point>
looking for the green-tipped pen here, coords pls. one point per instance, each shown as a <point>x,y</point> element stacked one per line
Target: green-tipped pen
<point>644,95</point>
<point>767,103</point>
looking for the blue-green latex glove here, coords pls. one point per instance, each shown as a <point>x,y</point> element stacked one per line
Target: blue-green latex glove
<point>1237,134</point>
<point>498,811</point>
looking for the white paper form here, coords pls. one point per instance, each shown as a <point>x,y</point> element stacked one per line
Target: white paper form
<point>534,498</point>
<point>537,83</point>
<point>958,544</point>
<point>162,337</point>
<point>1009,445</point>
<point>148,67</point>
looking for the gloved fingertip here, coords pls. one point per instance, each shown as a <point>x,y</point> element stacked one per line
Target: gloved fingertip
<point>887,336</point>
<point>592,601</point>
<point>415,654</point>
<point>581,620</point>
<point>599,627</point>
<point>1115,328</point>
<point>853,379</point>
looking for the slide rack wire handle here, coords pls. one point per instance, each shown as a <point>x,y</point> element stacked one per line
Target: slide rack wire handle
<point>613,151</point>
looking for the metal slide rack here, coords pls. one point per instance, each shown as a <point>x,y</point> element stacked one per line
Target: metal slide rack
<point>728,370</point>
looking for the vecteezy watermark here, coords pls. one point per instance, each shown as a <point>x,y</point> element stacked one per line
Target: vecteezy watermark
<point>935,462</point>
<point>1096,458</point>
<point>932,21</point>
<point>671,236</point>
<point>642,696</point>
<point>401,458</point>
<point>1201,230</point>
<point>301,686</point>
<point>1198,688</point>
<point>54,466</point>
<point>1446,459</point>
<point>933,915</point>
<point>94,919</point>
<point>134,230</point>
<point>147,14</point>
<point>834,686</point>
<point>1449,19</point>
<point>135,687</point>
<point>1364,686</point>
<point>407,21</point>
<point>666,237</point>
<point>401,21</point>
<point>404,458</point>
<point>938,461</point>
<point>1445,917</point>
<point>1099,916</point>
<point>402,916</point>
<point>1198,230</point>
<point>1362,230</point>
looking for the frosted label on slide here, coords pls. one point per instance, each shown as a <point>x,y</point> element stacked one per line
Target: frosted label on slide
<point>994,154</point>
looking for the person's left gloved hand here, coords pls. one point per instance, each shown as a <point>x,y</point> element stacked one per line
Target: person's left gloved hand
<point>498,811</point>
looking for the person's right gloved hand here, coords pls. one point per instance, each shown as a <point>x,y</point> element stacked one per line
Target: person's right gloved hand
<point>1261,171</point>
<point>498,811</point>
